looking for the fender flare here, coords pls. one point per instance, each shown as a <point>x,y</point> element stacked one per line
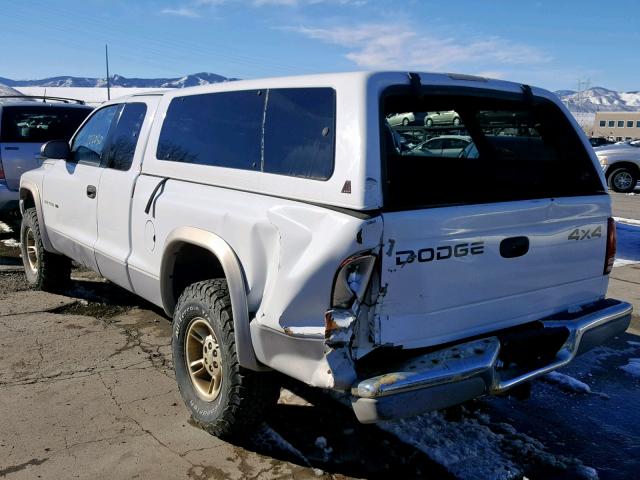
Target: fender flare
<point>27,186</point>
<point>235,281</point>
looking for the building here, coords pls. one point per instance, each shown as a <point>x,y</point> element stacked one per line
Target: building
<point>617,125</point>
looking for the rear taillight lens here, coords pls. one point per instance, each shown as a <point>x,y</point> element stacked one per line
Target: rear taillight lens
<point>352,280</point>
<point>1,170</point>
<point>611,246</point>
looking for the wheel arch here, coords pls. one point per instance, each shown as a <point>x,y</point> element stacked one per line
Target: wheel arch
<point>191,237</point>
<point>623,163</point>
<point>30,198</point>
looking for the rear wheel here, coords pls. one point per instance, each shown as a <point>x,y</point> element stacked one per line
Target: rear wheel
<point>622,180</point>
<point>44,270</point>
<point>224,398</point>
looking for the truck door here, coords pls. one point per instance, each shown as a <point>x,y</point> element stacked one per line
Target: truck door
<point>116,188</point>
<point>70,189</point>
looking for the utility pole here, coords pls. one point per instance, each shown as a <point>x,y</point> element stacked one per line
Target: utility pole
<point>106,56</point>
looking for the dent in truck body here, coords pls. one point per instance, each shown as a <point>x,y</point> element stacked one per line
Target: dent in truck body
<point>287,254</point>
<point>325,348</point>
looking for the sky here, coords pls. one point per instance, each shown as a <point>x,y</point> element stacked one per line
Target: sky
<point>554,44</point>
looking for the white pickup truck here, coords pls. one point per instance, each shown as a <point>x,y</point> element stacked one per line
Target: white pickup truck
<point>283,227</point>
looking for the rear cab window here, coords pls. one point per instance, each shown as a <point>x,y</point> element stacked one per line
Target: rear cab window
<point>288,131</point>
<point>490,147</point>
<point>39,123</point>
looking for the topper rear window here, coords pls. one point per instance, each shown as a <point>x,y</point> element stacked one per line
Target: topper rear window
<point>456,149</point>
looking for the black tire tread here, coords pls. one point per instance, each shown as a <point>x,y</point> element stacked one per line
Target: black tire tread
<point>54,272</point>
<point>252,392</point>
<point>613,173</point>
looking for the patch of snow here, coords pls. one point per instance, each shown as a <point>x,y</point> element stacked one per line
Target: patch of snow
<point>628,247</point>
<point>11,242</point>
<point>588,473</point>
<point>628,221</point>
<point>476,448</point>
<point>4,228</point>
<point>633,367</point>
<point>287,397</point>
<point>567,383</point>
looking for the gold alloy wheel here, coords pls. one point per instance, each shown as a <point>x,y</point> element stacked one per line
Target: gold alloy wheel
<point>32,251</point>
<point>204,362</point>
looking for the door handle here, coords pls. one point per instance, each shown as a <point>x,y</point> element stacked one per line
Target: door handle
<point>91,191</point>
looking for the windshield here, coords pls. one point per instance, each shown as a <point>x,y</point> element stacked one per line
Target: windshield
<point>473,149</point>
<point>39,124</point>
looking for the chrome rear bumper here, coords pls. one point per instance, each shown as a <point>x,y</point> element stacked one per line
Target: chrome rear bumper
<point>461,372</point>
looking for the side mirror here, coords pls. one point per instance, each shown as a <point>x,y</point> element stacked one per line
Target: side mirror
<point>58,149</point>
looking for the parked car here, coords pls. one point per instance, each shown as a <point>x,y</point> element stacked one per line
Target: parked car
<point>404,119</point>
<point>599,141</point>
<point>443,146</point>
<point>295,235</point>
<point>621,165</point>
<point>441,118</point>
<point>24,126</point>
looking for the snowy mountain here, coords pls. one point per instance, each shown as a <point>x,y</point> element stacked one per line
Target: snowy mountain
<point>599,99</point>
<point>564,93</point>
<point>192,80</point>
<point>4,90</point>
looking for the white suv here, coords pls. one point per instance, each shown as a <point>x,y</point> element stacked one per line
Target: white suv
<point>281,225</point>
<point>621,165</point>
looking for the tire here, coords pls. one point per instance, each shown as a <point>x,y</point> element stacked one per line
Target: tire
<point>622,180</point>
<point>225,399</point>
<point>428,123</point>
<point>44,270</point>
<point>456,121</point>
<point>405,121</point>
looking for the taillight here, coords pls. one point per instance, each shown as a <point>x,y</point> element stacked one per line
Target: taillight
<point>352,280</point>
<point>611,246</point>
<point>1,170</point>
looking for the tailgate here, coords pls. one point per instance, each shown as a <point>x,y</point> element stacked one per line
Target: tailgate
<point>455,272</point>
<point>18,158</point>
<point>511,229</point>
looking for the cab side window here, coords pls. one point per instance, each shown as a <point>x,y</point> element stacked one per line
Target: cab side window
<point>89,143</point>
<point>122,144</point>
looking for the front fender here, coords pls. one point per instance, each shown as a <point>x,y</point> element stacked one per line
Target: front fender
<point>235,281</point>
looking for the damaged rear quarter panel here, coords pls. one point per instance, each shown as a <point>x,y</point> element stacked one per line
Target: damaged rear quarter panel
<point>312,243</point>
